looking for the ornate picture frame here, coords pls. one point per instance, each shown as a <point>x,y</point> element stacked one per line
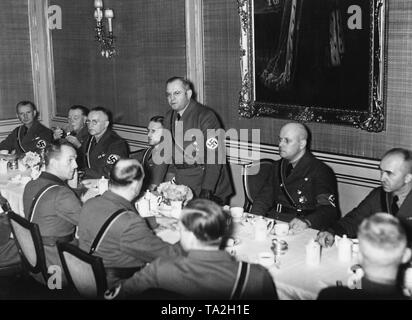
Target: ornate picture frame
<point>314,61</point>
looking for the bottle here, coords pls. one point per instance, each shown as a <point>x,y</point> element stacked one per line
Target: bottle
<point>313,253</point>
<point>103,185</point>
<point>345,249</point>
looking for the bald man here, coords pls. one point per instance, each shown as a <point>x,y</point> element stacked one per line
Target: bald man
<point>301,189</point>
<point>394,196</point>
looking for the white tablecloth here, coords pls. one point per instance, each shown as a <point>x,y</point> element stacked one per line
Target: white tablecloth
<point>294,279</point>
<point>13,190</point>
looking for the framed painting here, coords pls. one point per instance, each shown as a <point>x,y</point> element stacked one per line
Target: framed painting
<point>314,61</point>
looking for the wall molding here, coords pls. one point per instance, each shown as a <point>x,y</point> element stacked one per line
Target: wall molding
<point>354,171</point>
<point>194,46</point>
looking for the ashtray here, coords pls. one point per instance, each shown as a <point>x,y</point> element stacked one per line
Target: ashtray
<point>279,246</point>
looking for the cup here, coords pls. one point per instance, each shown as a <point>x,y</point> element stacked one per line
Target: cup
<point>281,229</point>
<point>236,213</point>
<point>261,230</point>
<point>266,258</point>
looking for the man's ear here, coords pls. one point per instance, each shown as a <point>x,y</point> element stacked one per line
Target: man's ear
<point>106,123</point>
<point>406,255</point>
<point>303,143</point>
<point>34,113</point>
<point>189,93</point>
<point>408,178</point>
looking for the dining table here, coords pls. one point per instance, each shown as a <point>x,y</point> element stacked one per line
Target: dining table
<point>293,276</point>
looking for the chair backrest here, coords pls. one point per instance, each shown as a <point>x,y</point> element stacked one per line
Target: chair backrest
<point>30,244</point>
<point>84,271</point>
<point>254,176</point>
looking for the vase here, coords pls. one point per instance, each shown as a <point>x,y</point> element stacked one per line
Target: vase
<point>176,208</point>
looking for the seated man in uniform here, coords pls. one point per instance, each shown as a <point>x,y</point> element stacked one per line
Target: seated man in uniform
<point>31,135</point>
<point>76,131</point>
<point>103,147</point>
<point>206,271</point>
<point>144,156</point>
<point>49,202</point>
<point>128,243</point>
<point>382,249</point>
<point>301,189</point>
<point>393,196</point>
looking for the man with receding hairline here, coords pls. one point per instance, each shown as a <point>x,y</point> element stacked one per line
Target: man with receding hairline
<point>104,146</point>
<point>128,242</point>
<point>382,250</point>
<point>394,196</point>
<point>301,189</point>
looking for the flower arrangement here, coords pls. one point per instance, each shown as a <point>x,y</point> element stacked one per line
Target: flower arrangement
<point>173,192</point>
<point>31,160</point>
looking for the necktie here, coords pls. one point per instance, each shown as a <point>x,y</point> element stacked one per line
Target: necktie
<point>178,117</point>
<point>394,206</point>
<point>23,131</point>
<point>289,169</point>
<point>93,143</point>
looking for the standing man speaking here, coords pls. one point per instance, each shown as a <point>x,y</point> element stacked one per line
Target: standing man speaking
<point>198,149</point>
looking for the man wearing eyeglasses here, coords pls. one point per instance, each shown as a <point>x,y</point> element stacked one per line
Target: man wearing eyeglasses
<point>198,147</point>
<point>104,146</point>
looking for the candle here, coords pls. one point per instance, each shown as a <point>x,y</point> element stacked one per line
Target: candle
<point>109,20</point>
<point>108,13</point>
<point>98,3</point>
<point>98,14</point>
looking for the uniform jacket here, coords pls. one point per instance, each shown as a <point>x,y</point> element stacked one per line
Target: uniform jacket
<point>199,174</point>
<point>83,135</point>
<point>129,242</point>
<point>200,274</point>
<point>57,211</point>
<point>376,201</point>
<point>9,253</point>
<point>144,156</point>
<point>312,186</point>
<point>369,291</point>
<point>100,159</point>
<point>36,138</point>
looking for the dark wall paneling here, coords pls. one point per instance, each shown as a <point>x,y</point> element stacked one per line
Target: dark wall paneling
<point>16,82</point>
<point>222,84</point>
<point>150,38</point>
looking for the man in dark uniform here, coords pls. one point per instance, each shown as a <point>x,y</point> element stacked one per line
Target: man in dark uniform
<point>104,146</point>
<point>127,243</point>
<point>49,202</point>
<point>206,271</point>
<point>145,156</point>
<point>394,196</point>
<point>301,189</point>
<point>31,135</point>
<point>198,147</point>
<point>76,132</point>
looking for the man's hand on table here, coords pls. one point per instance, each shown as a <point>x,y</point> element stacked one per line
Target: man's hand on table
<point>297,225</point>
<point>325,239</point>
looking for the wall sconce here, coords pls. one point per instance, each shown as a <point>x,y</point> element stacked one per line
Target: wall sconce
<point>106,40</point>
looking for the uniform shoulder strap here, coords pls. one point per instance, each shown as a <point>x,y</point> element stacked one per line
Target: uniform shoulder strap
<point>105,227</point>
<point>37,197</point>
<point>241,280</point>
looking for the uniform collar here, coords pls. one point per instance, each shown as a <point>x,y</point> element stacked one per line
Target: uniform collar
<point>113,197</point>
<point>209,255</point>
<point>52,177</point>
